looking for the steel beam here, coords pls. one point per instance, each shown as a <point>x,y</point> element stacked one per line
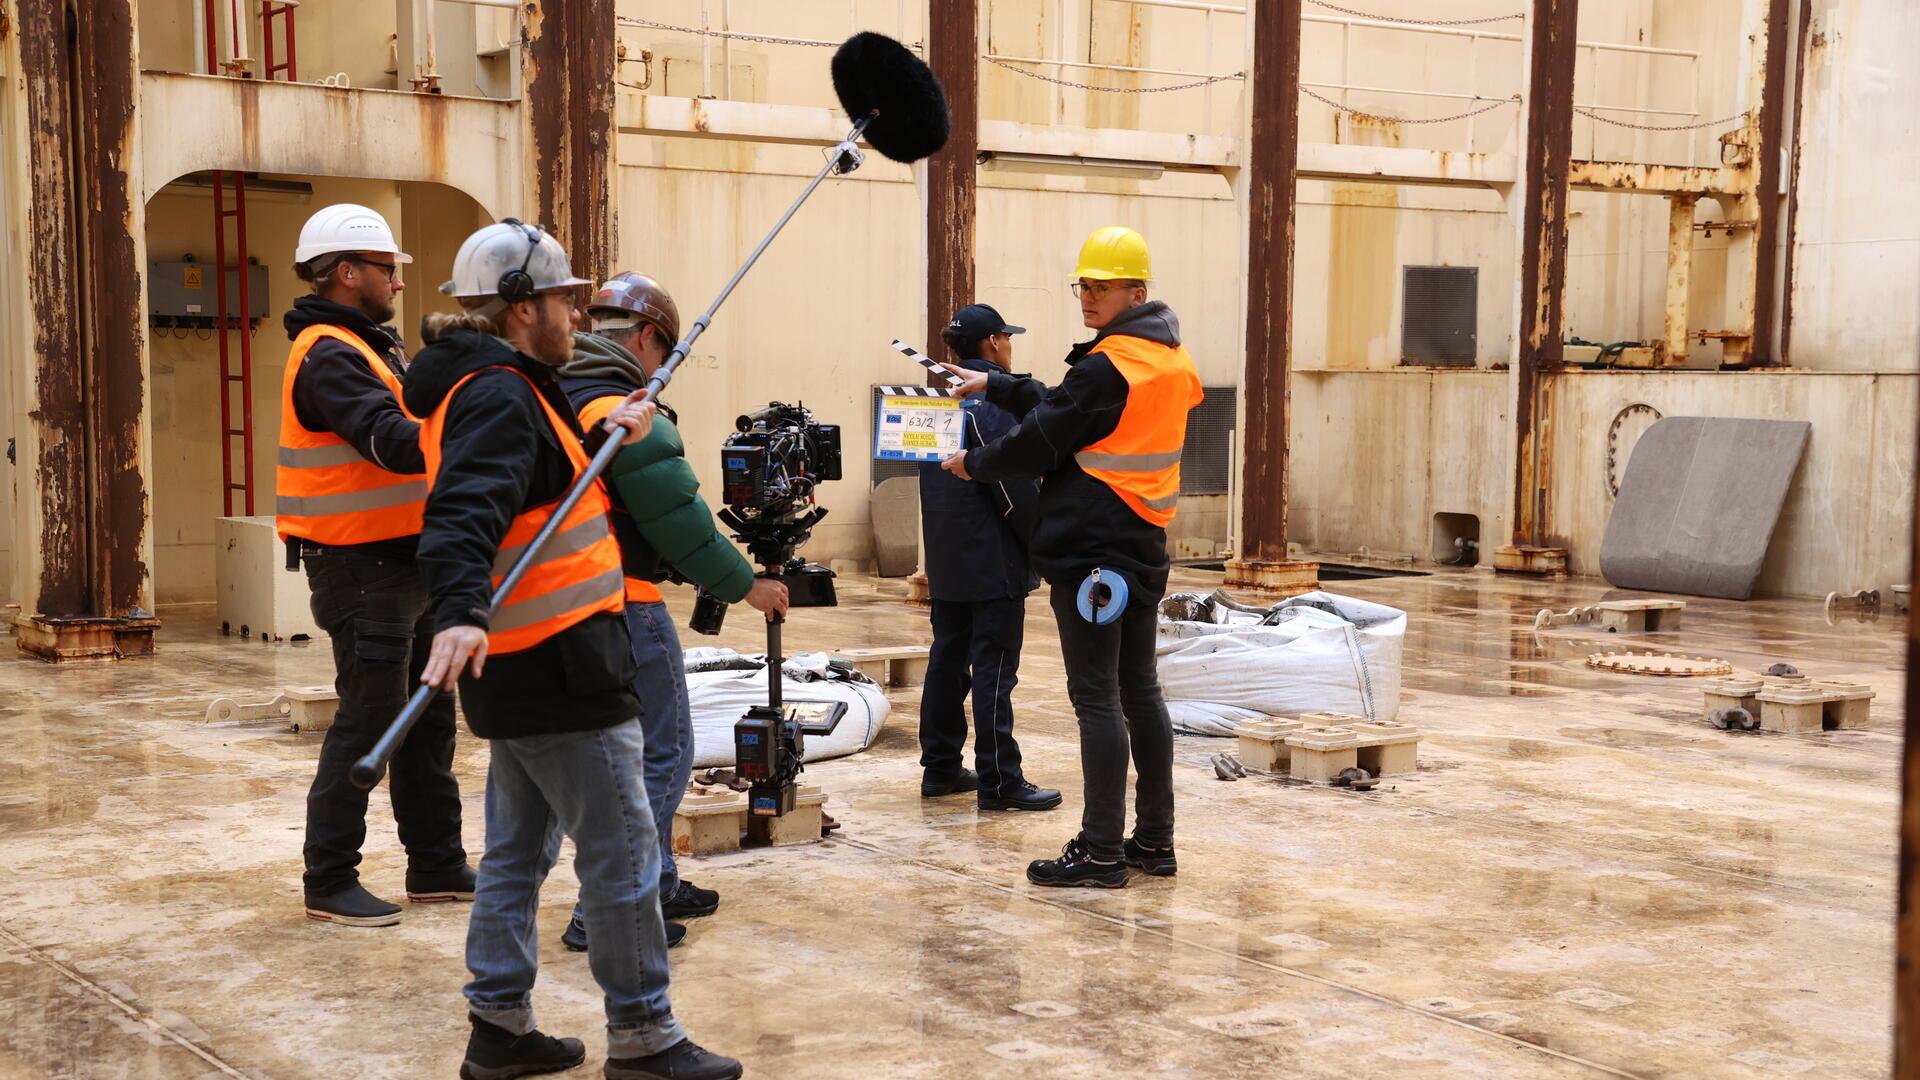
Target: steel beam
<point>1540,210</point>
<point>1679,277</point>
<point>88,505</point>
<point>1768,123</point>
<point>1264,189</point>
<point>953,46</point>
<point>568,99</point>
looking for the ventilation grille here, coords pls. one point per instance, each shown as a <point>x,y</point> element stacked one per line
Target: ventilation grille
<point>1206,461</point>
<point>1439,320</point>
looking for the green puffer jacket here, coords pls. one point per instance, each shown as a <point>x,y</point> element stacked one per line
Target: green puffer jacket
<point>665,519</point>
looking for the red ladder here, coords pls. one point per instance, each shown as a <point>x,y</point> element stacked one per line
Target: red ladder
<point>242,321</point>
<point>284,12</point>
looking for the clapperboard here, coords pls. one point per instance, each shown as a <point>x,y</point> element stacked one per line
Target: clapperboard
<point>895,405</point>
<point>933,366</point>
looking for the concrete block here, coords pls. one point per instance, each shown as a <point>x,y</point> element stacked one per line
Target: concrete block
<point>312,707</point>
<point>896,526</point>
<point>888,665</point>
<point>256,595</point>
<point>1386,747</point>
<point>1263,753</point>
<point>709,822</point>
<point>1641,616</point>
<point>1318,754</point>
<point>1733,692</point>
<point>1848,705</point>
<point>1791,710</point>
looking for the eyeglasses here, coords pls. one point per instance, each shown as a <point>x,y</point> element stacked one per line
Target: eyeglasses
<point>392,269</point>
<point>1097,288</point>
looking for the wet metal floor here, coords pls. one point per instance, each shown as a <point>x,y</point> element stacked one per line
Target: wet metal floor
<point>1583,879</point>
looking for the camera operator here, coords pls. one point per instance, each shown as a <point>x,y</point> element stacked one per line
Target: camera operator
<point>548,679</point>
<point>658,516</point>
<point>1107,440</point>
<point>978,575</point>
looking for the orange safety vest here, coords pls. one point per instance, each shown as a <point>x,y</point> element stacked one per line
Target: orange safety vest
<point>639,590</point>
<point>324,490</point>
<point>578,572</point>
<point>1140,460</point>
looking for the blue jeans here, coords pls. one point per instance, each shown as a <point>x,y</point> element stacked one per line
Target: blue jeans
<point>586,784</point>
<point>667,721</point>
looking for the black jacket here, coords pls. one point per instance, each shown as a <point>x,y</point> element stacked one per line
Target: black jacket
<point>499,456</point>
<point>336,391</point>
<point>1082,523</point>
<point>974,553</point>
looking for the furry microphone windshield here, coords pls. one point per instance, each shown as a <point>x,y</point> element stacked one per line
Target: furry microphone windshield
<point>874,74</point>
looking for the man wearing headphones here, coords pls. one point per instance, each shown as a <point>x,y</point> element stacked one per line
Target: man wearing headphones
<point>1107,440</point>
<point>548,677</point>
<point>349,494</point>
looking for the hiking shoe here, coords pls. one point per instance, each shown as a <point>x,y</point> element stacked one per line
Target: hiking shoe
<point>684,1060</point>
<point>1076,867</point>
<point>1022,796</point>
<point>933,785</point>
<point>575,935</point>
<point>1156,861</point>
<point>440,886</point>
<point>690,901</point>
<point>494,1053</point>
<point>353,907</point>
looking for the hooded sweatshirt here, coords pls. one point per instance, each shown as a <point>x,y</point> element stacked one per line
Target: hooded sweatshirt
<point>1082,524</point>
<point>500,456</point>
<point>659,515</point>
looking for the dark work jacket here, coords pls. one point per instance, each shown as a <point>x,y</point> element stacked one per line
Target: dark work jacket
<point>336,391</point>
<point>974,553</point>
<point>498,457</point>
<point>1082,524</point>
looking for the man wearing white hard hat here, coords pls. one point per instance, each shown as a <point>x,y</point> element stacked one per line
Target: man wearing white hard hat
<point>548,678</point>
<point>349,495</point>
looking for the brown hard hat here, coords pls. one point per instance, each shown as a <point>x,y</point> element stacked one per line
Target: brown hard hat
<point>639,296</point>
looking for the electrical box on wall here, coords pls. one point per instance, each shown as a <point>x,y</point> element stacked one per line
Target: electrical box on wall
<point>184,294</point>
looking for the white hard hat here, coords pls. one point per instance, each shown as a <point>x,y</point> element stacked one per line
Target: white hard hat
<point>346,227</point>
<point>510,260</point>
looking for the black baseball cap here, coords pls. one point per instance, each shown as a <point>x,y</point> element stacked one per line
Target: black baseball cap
<point>977,321</point>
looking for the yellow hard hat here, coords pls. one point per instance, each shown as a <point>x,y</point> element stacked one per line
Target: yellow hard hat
<point>1115,253</point>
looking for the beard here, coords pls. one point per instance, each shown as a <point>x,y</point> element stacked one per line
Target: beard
<point>552,337</point>
<point>377,308</point>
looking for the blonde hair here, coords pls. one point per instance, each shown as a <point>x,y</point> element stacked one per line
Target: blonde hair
<point>475,315</point>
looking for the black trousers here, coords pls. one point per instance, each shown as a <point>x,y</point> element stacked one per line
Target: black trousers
<point>976,648</point>
<point>376,613</point>
<point>1116,695</point>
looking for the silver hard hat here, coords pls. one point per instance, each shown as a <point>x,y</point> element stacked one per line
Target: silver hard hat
<point>510,260</point>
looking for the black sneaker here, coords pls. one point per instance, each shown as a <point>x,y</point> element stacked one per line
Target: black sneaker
<point>1077,867</point>
<point>494,1053</point>
<point>1156,861</point>
<point>575,935</point>
<point>690,901</point>
<point>682,1061</point>
<point>1022,796</point>
<point>933,786</point>
<point>440,886</point>
<point>353,907</point>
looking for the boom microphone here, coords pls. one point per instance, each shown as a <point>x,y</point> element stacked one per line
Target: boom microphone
<point>874,75</point>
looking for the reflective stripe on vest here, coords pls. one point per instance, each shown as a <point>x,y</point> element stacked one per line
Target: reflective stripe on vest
<point>324,491</point>
<point>638,590</point>
<point>1140,459</point>
<point>578,573</point>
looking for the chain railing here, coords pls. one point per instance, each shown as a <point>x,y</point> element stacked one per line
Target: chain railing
<point>1350,110</point>
<point>1702,125</point>
<point>1206,81</point>
<point>1417,22</point>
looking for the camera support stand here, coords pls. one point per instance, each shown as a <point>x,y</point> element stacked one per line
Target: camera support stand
<point>769,742</point>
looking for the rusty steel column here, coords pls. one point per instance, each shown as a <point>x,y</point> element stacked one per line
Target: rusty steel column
<point>568,100</point>
<point>91,597</point>
<point>953,47</point>
<point>1784,352</point>
<point>1768,125</point>
<point>1539,341</point>
<point>1679,277</point>
<point>1265,190</point>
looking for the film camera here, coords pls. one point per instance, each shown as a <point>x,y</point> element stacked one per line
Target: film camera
<point>770,468</point>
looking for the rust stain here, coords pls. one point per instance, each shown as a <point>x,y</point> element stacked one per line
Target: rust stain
<point>246,93</point>
<point>1785,354</point>
<point>433,134</point>
<point>569,73</point>
<point>1768,128</point>
<point>952,179</point>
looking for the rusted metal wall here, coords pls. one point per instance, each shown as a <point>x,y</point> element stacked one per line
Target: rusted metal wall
<point>952,174</point>
<point>1271,163</point>
<point>85,297</point>
<point>1785,353</point>
<point>1543,248</point>
<point>569,102</point>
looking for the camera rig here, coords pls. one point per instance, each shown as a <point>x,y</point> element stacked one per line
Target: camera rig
<point>771,467</point>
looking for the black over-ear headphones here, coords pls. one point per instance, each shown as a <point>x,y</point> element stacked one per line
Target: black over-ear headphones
<point>517,285</point>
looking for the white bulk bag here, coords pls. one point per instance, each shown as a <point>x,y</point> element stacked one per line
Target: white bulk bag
<point>723,684</point>
<point>1324,653</point>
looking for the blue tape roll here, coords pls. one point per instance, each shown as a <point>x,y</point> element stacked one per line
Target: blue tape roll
<point>1098,610</point>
